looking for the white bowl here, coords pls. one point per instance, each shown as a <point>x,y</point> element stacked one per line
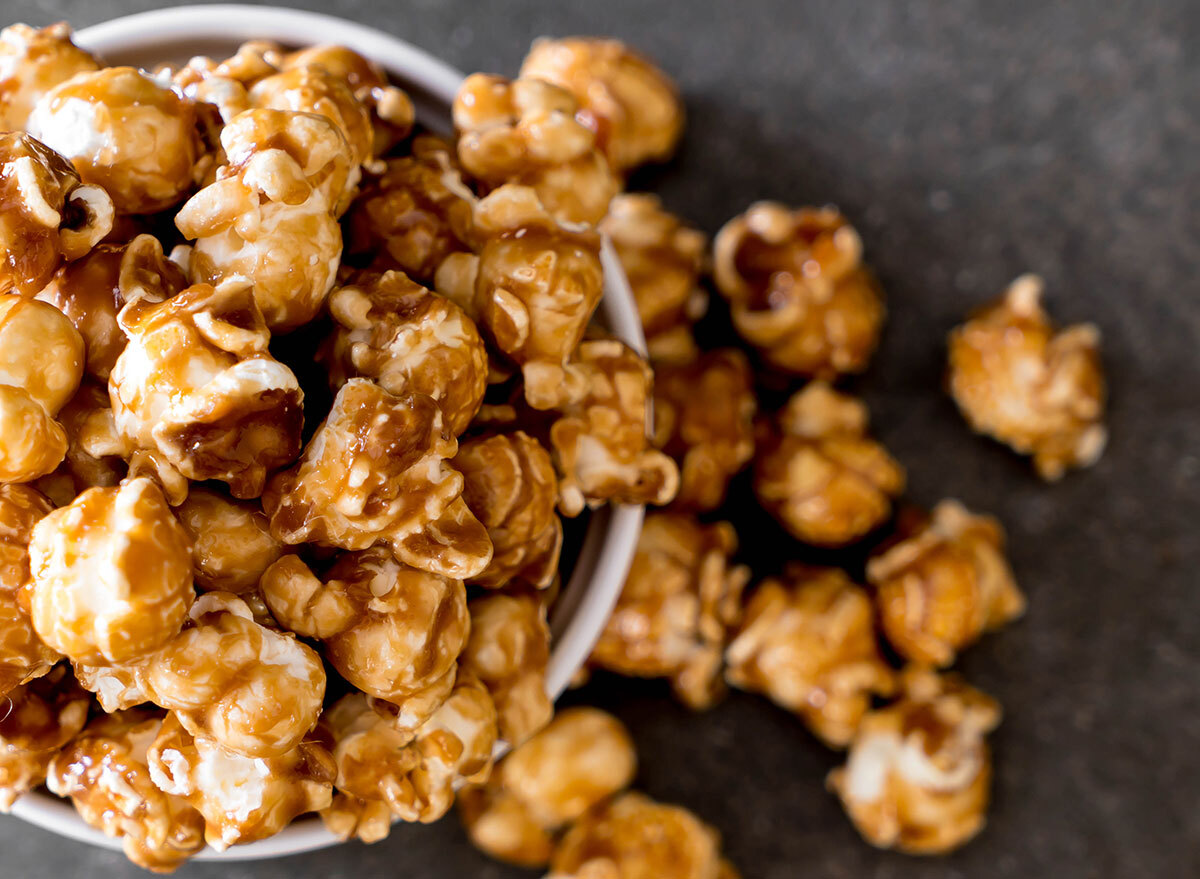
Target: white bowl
<point>174,35</point>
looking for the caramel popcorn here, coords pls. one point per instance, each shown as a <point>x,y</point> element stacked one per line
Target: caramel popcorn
<point>39,718</point>
<point>256,691</point>
<point>376,472</point>
<point>242,799</point>
<point>944,585</point>
<point>1038,389</point>
<point>32,62</point>
<point>919,771</point>
<point>32,443</point>
<point>197,382</point>
<point>104,772</point>
<point>390,630</point>
<point>48,215</point>
<point>798,290</point>
<point>600,445</point>
<point>526,131</point>
<point>393,330</point>
<point>123,131</point>
<point>704,419</point>
<point>678,607</point>
<point>23,656</point>
<point>821,476</point>
<point>116,687</point>
<point>808,642</point>
<point>508,651</point>
<point>40,352</point>
<point>112,574</point>
<point>509,484</point>
<point>662,259</point>
<point>581,758</point>
<point>232,544</point>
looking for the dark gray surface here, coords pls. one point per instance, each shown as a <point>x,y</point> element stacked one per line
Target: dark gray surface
<point>970,142</point>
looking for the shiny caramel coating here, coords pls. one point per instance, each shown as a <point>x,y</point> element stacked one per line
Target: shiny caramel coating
<point>678,607</point>
<point>40,717</point>
<point>116,687</point>
<point>104,772</point>
<point>23,655</point>
<point>599,442</point>
<point>123,131</point>
<point>511,487</point>
<point>797,289</point>
<point>197,383</point>
<point>508,651</point>
<point>232,542</point>
<point>944,585</point>
<point>820,475</point>
<point>46,213</point>
<point>40,352</point>
<point>409,340</point>
<point>33,61</point>
<point>633,107</point>
<point>704,419</point>
<point>918,774</point>
<point>112,574</point>
<point>243,799</point>
<point>32,444</point>
<point>525,131</point>
<point>1036,388</point>
<point>808,643</point>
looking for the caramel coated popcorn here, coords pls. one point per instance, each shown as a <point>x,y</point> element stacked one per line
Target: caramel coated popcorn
<point>39,718</point>
<point>798,290</point>
<point>526,131</point>
<point>919,772</point>
<point>1038,389</point>
<point>23,655</point>
<point>822,477</point>
<point>808,643</point>
<point>33,442</point>
<point>93,457</point>
<point>944,585</point>
<point>678,607</point>
<point>33,61</point>
<point>232,544</point>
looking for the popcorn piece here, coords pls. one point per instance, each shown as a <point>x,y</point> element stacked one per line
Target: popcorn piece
<point>510,485</point>
<point>1037,389</point>
<point>256,691</point>
<point>797,288</point>
<point>526,131</point>
<point>40,352</point>
<point>508,651</point>
<point>376,472</point>
<point>116,687</point>
<point>123,131</point>
<point>32,443</point>
<point>583,757</point>
<point>39,718</point>
<point>23,656</point>
<point>104,772</point>
<point>390,630</point>
<point>93,447</point>
<point>704,419</point>
<point>679,605</point>
<point>48,216</point>
<point>600,445</point>
<point>944,585</point>
<point>242,799</point>
<point>271,217</point>
<point>407,339</point>
<point>808,642</point>
<point>663,260</point>
<point>633,107</point>
<point>32,62</point>
<point>112,574</point>
<point>919,771</point>
<point>197,382</point>
<point>823,478</point>
<point>232,542</point>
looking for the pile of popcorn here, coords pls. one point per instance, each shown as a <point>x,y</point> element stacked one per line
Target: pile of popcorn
<point>231,595</point>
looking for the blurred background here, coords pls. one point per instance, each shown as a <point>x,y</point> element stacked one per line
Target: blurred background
<point>968,142</point>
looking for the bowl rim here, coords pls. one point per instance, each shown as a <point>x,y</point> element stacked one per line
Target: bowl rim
<point>612,533</point>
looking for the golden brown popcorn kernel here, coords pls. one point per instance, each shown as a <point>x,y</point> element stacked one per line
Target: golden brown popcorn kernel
<point>39,718</point>
<point>808,642</point>
<point>525,131</point>
<point>820,475</point>
<point>704,419</point>
<point>32,62</point>
<point>1025,383</point>
<point>40,352</point>
<point>678,608</point>
<point>104,772</point>
<point>232,542</point>
<point>23,655</point>
<point>116,687</point>
<point>944,585</point>
<point>32,444</point>
<point>798,290</point>
<point>919,771</point>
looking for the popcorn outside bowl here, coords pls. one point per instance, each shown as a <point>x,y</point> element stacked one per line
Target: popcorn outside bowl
<point>174,35</point>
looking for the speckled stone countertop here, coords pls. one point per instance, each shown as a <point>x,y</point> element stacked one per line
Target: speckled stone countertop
<point>969,142</point>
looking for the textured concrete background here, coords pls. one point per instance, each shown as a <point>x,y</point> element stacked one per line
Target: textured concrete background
<point>970,142</point>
